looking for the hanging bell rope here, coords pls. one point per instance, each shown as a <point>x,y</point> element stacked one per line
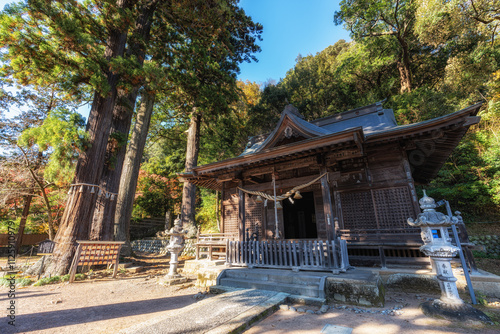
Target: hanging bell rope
<point>288,193</point>
<point>81,188</point>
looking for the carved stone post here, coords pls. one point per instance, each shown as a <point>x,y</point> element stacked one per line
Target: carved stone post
<point>175,247</point>
<point>437,245</point>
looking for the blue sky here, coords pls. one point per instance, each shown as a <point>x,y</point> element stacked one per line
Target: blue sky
<point>291,27</point>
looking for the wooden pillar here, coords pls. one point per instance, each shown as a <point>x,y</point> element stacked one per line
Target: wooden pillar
<point>241,213</point>
<point>327,206</point>
<point>264,222</point>
<point>222,220</point>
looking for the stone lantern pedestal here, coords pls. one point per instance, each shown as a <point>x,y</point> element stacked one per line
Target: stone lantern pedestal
<point>175,247</point>
<point>438,246</point>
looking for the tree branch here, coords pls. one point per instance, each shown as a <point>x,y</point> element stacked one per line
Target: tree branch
<point>377,34</point>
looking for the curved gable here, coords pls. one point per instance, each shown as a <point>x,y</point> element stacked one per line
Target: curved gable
<point>291,128</point>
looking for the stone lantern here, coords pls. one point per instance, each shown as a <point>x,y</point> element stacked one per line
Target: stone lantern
<point>438,246</point>
<point>175,247</point>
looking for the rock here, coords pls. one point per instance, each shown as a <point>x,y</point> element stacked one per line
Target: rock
<point>284,307</point>
<point>301,310</point>
<point>309,311</point>
<point>293,308</point>
<point>199,296</point>
<point>323,309</point>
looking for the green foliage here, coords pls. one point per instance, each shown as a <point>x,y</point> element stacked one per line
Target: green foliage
<point>61,136</point>
<point>206,214</point>
<point>57,279</point>
<point>156,194</point>
<point>452,61</point>
<point>47,280</point>
<point>225,135</point>
<point>24,281</point>
<point>470,178</point>
<point>420,104</point>
<point>19,282</point>
<point>60,42</point>
<point>484,255</point>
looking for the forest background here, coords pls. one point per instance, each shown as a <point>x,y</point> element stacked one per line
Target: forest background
<point>423,58</point>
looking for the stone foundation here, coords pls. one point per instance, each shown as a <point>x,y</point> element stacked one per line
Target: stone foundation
<point>356,288</point>
<point>158,246</point>
<point>206,271</point>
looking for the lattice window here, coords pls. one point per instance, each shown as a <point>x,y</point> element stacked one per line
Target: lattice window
<point>230,218</point>
<point>253,216</point>
<point>394,207</point>
<point>357,210</point>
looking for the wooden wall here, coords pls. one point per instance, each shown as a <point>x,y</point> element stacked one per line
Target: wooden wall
<point>369,192</point>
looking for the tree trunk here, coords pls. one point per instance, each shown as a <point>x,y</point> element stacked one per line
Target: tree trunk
<point>22,224</point>
<point>405,75</point>
<point>189,190</point>
<point>77,216</point>
<point>50,223</point>
<point>42,190</point>
<point>130,173</point>
<point>104,214</point>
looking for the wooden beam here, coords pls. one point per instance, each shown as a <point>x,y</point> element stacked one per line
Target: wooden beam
<point>254,180</point>
<point>471,120</point>
<point>358,141</point>
<point>280,184</point>
<point>309,145</point>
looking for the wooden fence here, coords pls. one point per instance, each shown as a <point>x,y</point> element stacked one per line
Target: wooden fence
<point>28,239</point>
<point>296,254</point>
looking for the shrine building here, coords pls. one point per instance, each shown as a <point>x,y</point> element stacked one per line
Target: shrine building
<point>350,176</point>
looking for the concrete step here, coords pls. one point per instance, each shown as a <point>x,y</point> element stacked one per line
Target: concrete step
<point>230,312</point>
<point>311,290</point>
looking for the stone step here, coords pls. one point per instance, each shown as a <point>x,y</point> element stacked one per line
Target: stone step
<point>311,290</point>
<point>282,276</point>
<point>124,265</point>
<point>135,270</point>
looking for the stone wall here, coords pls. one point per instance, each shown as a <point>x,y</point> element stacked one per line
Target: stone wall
<point>158,246</point>
<point>489,244</point>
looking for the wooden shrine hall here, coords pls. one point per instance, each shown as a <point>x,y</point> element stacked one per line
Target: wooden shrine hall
<point>343,180</point>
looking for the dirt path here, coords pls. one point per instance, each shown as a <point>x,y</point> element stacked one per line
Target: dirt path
<point>104,306</point>
<point>98,304</point>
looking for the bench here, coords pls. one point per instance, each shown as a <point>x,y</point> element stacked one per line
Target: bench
<point>212,244</point>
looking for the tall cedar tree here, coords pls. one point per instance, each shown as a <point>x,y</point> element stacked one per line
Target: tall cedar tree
<point>84,41</point>
<point>215,37</point>
<point>206,81</point>
<point>103,219</point>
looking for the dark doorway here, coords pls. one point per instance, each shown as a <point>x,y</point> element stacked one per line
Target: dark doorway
<point>300,218</point>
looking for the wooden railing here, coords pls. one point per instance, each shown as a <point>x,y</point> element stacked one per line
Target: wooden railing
<point>297,254</point>
<point>212,244</point>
